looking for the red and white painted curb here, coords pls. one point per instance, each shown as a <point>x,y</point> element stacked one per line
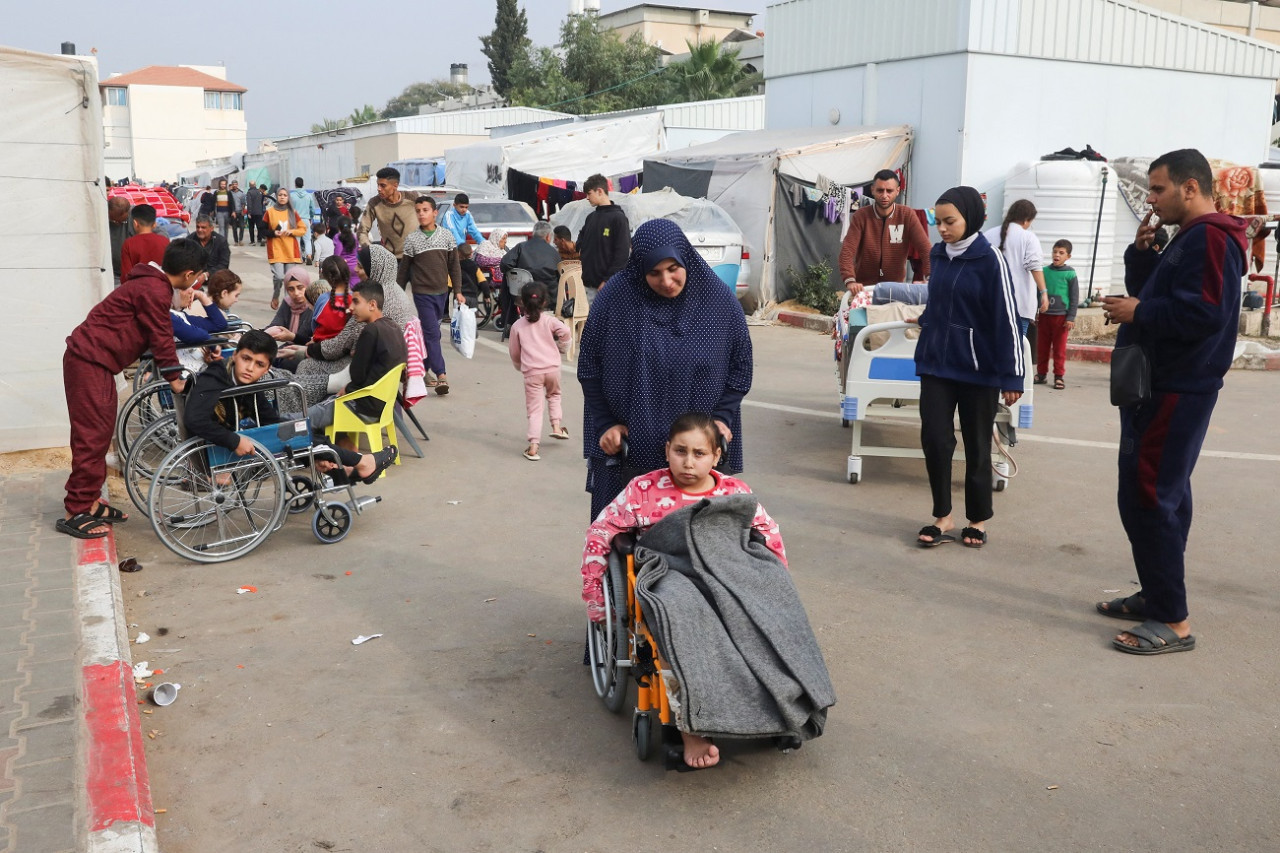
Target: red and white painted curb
<point>117,795</point>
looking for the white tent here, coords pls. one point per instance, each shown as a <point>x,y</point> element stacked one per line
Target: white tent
<point>569,152</point>
<point>58,255</point>
<point>749,173</point>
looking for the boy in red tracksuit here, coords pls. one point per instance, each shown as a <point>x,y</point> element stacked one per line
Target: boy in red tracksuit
<point>118,330</point>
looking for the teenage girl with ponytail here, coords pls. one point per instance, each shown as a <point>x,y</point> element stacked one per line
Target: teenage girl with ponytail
<point>1022,252</point>
<point>537,341</point>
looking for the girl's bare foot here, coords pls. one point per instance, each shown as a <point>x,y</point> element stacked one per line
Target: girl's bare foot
<point>699,752</point>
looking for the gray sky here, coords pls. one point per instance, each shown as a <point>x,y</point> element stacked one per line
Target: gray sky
<point>288,68</point>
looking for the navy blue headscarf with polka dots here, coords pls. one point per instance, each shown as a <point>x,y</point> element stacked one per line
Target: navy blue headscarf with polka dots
<point>646,359</point>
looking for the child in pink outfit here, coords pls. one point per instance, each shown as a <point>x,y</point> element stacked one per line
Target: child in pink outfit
<point>537,341</point>
<point>692,452</point>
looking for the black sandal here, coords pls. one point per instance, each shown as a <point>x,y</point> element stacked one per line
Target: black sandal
<point>974,533</point>
<point>79,526</point>
<point>936,536</point>
<point>1039,380</point>
<point>1058,384</point>
<point>109,514</point>
<point>382,460</point>
<point>1133,607</point>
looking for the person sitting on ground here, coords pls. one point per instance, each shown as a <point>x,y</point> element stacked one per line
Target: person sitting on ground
<point>379,348</point>
<point>692,451</point>
<point>145,246</point>
<point>207,415</point>
<point>563,240</point>
<point>293,322</point>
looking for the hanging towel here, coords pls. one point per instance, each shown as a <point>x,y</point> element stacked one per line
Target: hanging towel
<point>415,371</point>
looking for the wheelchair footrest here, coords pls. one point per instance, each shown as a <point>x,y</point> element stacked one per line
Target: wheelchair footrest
<point>366,500</point>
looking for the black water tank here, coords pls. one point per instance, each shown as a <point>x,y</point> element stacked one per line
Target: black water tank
<point>68,48</point>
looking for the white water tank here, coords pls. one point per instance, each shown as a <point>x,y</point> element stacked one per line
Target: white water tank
<point>1070,196</point>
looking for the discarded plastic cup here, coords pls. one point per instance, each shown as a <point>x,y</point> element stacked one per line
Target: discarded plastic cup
<point>165,694</point>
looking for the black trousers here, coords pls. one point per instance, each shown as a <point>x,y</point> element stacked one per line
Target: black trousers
<point>237,229</point>
<point>939,401</point>
<point>253,222</point>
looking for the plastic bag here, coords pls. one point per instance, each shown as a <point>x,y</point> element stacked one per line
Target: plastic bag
<point>462,329</point>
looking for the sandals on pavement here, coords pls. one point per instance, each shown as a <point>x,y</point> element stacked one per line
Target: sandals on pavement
<point>562,434</point>
<point>109,514</point>
<point>1133,607</point>
<point>1155,638</point>
<point>532,454</point>
<point>979,537</point>
<point>442,387</point>
<point>936,536</point>
<point>1039,380</point>
<point>80,525</point>
<point>1059,384</point>
<point>382,460</point>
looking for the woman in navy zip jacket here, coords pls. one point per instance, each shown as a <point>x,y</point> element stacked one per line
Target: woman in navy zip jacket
<point>969,352</point>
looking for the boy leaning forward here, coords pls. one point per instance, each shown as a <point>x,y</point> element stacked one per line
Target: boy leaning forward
<point>133,319</point>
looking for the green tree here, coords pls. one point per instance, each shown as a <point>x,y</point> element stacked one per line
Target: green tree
<point>364,115</point>
<point>712,71</point>
<point>414,95</point>
<point>330,124</point>
<point>590,70</point>
<point>505,45</point>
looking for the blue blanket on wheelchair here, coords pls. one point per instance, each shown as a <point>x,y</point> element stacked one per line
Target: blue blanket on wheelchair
<point>729,623</point>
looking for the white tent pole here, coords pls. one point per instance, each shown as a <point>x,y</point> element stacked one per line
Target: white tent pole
<point>768,291</point>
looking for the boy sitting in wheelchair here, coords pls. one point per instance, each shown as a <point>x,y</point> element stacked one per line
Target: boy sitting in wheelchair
<point>217,420</point>
<point>692,452</point>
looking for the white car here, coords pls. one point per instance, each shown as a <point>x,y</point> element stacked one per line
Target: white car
<point>710,230</point>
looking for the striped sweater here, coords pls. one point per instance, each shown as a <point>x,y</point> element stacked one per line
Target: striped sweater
<point>430,264</point>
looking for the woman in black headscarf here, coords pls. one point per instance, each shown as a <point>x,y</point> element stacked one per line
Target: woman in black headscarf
<point>969,353</point>
<point>666,336</point>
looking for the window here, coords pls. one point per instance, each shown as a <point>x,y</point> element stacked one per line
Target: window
<point>231,101</point>
<point>213,100</point>
<point>117,97</point>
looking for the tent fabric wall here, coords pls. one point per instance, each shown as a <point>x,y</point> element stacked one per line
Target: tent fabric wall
<point>741,170</point>
<point>571,152</point>
<point>800,244</point>
<point>52,150</point>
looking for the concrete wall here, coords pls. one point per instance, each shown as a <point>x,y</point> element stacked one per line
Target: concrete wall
<point>927,94</point>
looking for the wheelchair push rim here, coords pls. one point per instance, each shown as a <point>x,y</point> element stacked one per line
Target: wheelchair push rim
<point>213,514</point>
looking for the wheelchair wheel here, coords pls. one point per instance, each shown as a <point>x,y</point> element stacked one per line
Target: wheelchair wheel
<point>148,404</point>
<point>642,734</point>
<point>608,642</point>
<point>144,374</point>
<point>145,457</point>
<point>331,523</point>
<point>302,494</point>
<point>485,307</point>
<point>213,514</point>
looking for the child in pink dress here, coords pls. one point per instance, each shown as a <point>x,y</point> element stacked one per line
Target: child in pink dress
<point>693,450</point>
<point>537,341</point>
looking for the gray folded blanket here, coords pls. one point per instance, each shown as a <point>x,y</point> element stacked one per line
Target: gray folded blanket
<point>729,623</point>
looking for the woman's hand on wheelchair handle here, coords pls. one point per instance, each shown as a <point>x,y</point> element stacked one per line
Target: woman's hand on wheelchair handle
<point>611,441</point>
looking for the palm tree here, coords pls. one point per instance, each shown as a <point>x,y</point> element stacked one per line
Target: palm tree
<point>712,71</point>
<point>364,115</point>
<point>330,124</point>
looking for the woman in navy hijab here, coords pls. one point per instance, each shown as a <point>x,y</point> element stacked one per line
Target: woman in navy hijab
<point>665,336</point>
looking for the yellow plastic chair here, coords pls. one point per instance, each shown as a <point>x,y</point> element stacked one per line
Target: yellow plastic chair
<point>347,421</point>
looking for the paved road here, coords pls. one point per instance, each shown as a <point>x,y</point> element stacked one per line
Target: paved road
<point>981,707</point>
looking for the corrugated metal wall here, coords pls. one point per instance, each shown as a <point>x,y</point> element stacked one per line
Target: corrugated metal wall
<point>1116,32</point>
<point>818,35</point>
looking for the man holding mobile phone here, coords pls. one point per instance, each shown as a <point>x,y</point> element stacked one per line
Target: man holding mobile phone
<point>1183,310</point>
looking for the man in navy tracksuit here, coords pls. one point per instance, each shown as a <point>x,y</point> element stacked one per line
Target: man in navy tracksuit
<point>1184,310</point>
